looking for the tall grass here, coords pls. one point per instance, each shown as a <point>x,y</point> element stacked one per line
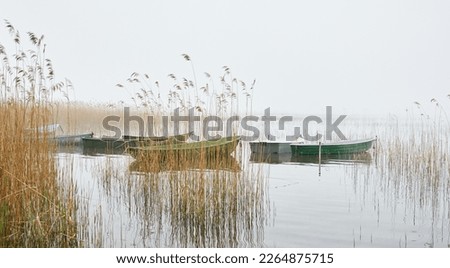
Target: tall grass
<point>410,173</point>
<point>34,212</point>
<point>177,200</point>
<point>222,96</point>
<point>126,205</point>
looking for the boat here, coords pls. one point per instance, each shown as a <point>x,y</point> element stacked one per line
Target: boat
<point>332,148</point>
<point>270,147</point>
<point>112,145</point>
<point>212,149</point>
<point>65,140</point>
<point>176,138</point>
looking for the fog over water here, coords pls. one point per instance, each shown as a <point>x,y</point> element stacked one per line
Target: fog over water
<point>361,58</point>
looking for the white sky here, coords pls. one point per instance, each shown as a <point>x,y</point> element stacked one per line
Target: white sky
<point>361,57</point>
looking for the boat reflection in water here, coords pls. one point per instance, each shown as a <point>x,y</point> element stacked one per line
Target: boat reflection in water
<point>96,151</point>
<point>287,158</point>
<point>226,163</point>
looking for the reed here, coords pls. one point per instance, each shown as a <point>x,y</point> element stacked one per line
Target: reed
<point>186,207</point>
<point>207,201</point>
<point>34,212</point>
<point>410,171</point>
<point>219,96</point>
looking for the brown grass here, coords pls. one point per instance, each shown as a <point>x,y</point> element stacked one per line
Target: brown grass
<point>34,212</point>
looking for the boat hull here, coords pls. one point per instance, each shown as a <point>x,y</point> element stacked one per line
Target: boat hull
<point>93,146</point>
<point>69,140</point>
<point>264,148</point>
<point>109,145</point>
<point>195,150</point>
<point>346,147</point>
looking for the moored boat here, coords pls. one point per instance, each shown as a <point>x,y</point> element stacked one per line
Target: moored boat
<point>201,149</point>
<point>71,139</point>
<point>176,138</point>
<point>333,148</point>
<point>270,147</point>
<point>112,145</point>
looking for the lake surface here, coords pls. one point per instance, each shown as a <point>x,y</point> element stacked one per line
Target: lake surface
<point>284,202</point>
<point>396,195</point>
<point>348,206</point>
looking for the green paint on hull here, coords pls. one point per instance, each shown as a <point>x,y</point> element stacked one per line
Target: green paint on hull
<point>113,145</point>
<point>345,147</point>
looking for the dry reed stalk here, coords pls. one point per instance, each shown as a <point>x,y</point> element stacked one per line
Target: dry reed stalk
<point>34,212</point>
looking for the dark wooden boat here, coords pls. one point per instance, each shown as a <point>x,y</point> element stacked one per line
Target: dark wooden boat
<point>110,145</point>
<point>71,140</point>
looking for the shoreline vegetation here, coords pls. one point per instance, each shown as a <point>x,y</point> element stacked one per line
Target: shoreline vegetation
<point>212,205</point>
<point>34,210</point>
<point>40,205</point>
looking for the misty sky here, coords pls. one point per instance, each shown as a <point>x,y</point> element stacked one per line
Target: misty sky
<point>361,57</point>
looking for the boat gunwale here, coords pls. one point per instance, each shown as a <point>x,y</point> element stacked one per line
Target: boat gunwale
<point>84,135</point>
<point>272,142</point>
<point>188,146</point>
<point>345,142</point>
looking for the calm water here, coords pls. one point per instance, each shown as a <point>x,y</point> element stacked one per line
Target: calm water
<point>370,201</point>
<point>348,205</point>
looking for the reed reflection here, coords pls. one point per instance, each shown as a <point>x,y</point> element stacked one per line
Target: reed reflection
<point>410,177</point>
<point>196,203</point>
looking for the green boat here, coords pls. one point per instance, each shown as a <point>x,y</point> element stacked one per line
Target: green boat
<point>211,149</point>
<point>334,148</point>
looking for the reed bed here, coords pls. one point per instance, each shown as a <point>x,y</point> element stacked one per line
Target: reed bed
<point>414,155</point>
<point>34,211</point>
<point>127,204</point>
<point>410,174</point>
<point>167,200</point>
<point>202,208</point>
<point>202,200</point>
